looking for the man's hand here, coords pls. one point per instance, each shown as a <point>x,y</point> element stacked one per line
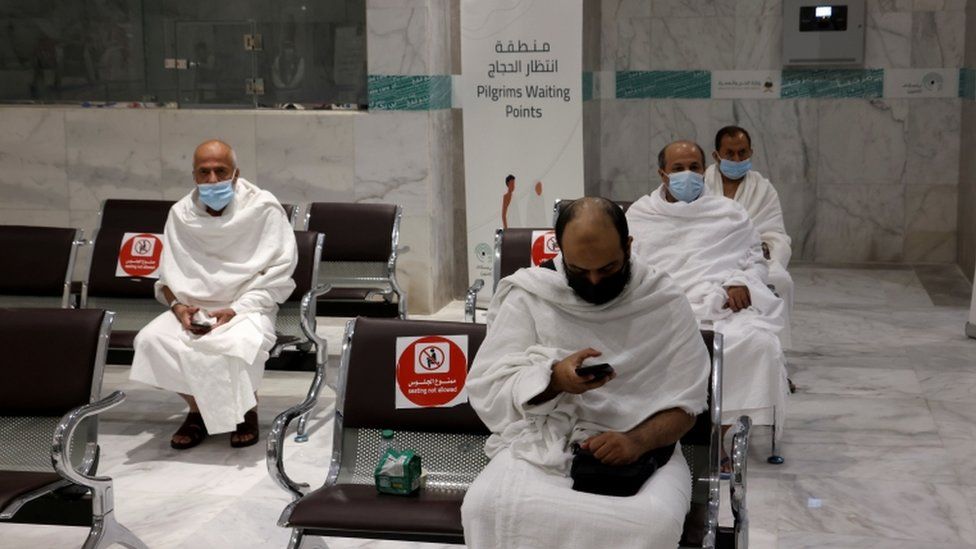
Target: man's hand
<point>765,249</point>
<point>565,380</point>
<point>223,316</point>
<point>185,314</point>
<point>739,298</point>
<point>613,448</point>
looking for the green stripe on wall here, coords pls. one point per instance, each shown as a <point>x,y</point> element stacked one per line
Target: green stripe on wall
<point>864,83</point>
<point>587,86</point>
<point>664,84</point>
<point>409,93</point>
<point>967,83</point>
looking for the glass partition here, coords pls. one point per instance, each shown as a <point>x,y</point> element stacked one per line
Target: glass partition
<point>241,54</point>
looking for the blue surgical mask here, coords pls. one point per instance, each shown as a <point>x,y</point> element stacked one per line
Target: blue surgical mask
<point>216,195</point>
<point>686,186</point>
<point>735,170</point>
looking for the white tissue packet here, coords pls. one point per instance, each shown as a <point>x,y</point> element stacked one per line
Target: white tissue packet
<point>201,317</point>
<point>393,466</point>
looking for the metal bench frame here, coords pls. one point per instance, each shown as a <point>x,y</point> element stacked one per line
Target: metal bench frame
<point>707,480</point>
<point>105,529</point>
<point>386,286</point>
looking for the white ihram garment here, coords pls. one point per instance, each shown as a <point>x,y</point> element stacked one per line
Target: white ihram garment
<point>524,499</point>
<point>706,246</point>
<point>759,198</point>
<point>243,260</point>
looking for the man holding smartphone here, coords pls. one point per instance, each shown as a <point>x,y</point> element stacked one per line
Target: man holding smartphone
<point>594,352</point>
<point>228,257</point>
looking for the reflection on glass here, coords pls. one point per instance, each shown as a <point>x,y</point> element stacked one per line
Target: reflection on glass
<point>184,51</point>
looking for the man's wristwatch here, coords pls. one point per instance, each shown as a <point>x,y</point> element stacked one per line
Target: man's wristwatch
<point>173,303</point>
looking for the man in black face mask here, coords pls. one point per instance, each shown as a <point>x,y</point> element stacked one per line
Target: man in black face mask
<point>647,380</point>
<point>597,265</point>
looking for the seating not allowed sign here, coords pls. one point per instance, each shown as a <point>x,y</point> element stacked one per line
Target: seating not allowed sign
<point>431,371</point>
<point>544,246</point>
<point>139,255</point>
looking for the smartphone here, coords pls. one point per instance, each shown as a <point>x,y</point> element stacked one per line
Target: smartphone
<point>599,371</point>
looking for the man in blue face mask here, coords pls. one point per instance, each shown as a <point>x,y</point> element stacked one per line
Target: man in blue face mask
<point>712,251</point>
<point>227,260</point>
<point>733,176</point>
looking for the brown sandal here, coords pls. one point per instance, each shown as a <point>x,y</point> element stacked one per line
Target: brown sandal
<point>193,428</point>
<point>247,432</point>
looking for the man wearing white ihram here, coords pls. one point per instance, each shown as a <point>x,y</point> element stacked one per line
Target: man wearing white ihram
<point>712,251</point>
<point>591,304</point>
<point>227,262</point>
<point>732,176</point>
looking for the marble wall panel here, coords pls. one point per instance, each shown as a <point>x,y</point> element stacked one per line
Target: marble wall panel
<point>692,8</point>
<point>398,38</point>
<point>758,8</point>
<point>938,39</point>
<point>759,42</point>
<point>392,160</point>
<point>785,137</point>
<point>930,223</point>
<point>799,203</point>
<point>692,43</point>
<point>860,222</point>
<point>591,144</point>
<point>413,266</point>
<point>111,153</point>
<point>673,119</point>
<point>862,141</point>
<point>592,31</point>
<point>888,40</point>
<point>442,199</point>
<point>36,218</point>
<point>966,232</point>
<point>182,130</point>
<point>439,36</point>
<point>32,160</point>
<point>969,57</point>
<point>625,130</point>
<point>306,157</point>
<point>932,142</point>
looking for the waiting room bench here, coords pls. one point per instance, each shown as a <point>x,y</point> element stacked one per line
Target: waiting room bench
<point>451,443</point>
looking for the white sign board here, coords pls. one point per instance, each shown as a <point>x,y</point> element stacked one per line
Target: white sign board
<point>521,85</point>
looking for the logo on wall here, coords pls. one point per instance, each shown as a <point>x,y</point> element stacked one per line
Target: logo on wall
<point>139,255</point>
<point>544,246</point>
<point>431,371</point>
<point>932,81</point>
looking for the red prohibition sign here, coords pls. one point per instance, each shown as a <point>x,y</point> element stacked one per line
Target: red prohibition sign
<point>434,388</point>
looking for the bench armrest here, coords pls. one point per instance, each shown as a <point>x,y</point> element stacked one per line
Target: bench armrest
<point>61,452</point>
<point>471,300</point>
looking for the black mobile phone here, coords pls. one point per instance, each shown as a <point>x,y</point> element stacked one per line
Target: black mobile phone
<point>203,328</point>
<point>599,371</point>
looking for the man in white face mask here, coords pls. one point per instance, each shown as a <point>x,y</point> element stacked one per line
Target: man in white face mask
<point>712,251</point>
<point>732,176</point>
<point>227,262</point>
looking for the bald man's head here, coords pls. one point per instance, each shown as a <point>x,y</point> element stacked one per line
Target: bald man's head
<point>214,161</point>
<point>685,151</point>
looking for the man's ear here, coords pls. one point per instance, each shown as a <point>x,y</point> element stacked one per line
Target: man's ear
<point>237,174</point>
<point>664,176</point>
<point>630,242</point>
<point>716,157</point>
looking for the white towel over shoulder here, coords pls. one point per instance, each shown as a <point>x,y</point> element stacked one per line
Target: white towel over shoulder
<point>243,260</point>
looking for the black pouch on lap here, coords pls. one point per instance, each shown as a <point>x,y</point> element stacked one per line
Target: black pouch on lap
<point>593,476</point>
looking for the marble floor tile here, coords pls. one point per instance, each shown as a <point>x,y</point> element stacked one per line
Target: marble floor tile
<point>819,540</point>
<point>861,382</point>
<point>896,509</point>
<point>955,386</point>
<point>829,419</point>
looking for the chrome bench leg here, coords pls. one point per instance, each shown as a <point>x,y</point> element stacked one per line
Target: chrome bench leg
<point>774,457</point>
<point>106,531</point>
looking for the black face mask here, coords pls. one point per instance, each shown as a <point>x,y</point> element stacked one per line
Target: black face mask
<point>603,291</point>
